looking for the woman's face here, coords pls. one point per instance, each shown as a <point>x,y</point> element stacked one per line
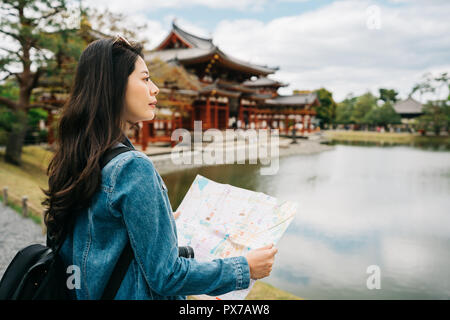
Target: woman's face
<point>140,95</point>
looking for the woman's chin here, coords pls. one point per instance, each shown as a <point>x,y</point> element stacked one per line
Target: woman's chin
<point>149,116</point>
<point>144,117</point>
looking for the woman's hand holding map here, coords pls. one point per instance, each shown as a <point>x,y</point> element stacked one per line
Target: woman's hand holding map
<point>260,261</point>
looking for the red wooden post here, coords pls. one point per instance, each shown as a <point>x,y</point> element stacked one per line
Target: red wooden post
<point>227,115</point>
<point>286,123</point>
<point>216,114</point>
<point>240,115</point>
<point>303,123</point>
<point>309,123</point>
<point>208,114</point>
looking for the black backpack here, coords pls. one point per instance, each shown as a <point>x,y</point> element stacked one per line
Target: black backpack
<point>37,272</point>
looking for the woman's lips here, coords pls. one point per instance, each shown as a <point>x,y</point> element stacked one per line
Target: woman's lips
<point>153,104</point>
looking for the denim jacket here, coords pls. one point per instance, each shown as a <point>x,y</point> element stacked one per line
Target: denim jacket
<point>133,203</point>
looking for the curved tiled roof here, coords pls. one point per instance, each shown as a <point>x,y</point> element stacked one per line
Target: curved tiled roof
<point>193,40</point>
<point>296,99</point>
<point>408,106</point>
<point>264,82</point>
<point>202,48</point>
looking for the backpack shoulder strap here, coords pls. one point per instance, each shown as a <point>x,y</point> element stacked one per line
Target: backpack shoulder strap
<point>127,255</point>
<point>118,273</point>
<point>112,153</point>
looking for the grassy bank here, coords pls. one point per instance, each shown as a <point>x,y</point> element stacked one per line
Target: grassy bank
<point>387,137</point>
<point>265,291</point>
<point>28,179</point>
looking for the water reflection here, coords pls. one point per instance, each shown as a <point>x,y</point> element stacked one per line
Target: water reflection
<point>358,206</point>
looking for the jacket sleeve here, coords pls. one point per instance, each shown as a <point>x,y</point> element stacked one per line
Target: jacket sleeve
<point>139,197</point>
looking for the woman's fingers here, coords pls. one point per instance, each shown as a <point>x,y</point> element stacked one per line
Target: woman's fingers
<point>269,246</point>
<point>176,214</point>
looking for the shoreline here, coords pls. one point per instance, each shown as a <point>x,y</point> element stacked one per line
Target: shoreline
<point>162,156</point>
<point>385,137</point>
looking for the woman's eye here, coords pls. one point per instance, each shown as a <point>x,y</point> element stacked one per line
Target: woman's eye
<point>146,79</point>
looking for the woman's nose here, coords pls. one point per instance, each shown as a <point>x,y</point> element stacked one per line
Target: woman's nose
<point>154,90</point>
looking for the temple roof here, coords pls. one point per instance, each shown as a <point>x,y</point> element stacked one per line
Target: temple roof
<point>184,92</point>
<point>215,89</point>
<point>408,106</point>
<point>194,55</point>
<point>264,82</point>
<point>193,40</point>
<point>293,100</point>
<point>257,96</point>
<point>234,86</point>
<point>195,49</point>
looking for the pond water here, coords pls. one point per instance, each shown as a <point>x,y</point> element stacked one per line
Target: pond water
<point>361,208</point>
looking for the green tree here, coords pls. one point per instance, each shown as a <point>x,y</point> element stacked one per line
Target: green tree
<point>326,112</point>
<point>435,117</point>
<point>49,39</point>
<point>39,30</point>
<point>388,95</point>
<point>112,23</point>
<point>344,110</point>
<point>382,116</point>
<point>364,104</point>
<point>11,91</point>
<point>437,110</point>
<point>433,85</point>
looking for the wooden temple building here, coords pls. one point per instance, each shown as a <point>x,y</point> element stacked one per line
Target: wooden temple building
<point>231,94</point>
<point>222,91</point>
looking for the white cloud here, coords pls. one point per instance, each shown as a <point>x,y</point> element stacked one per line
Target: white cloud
<point>147,6</point>
<point>187,25</point>
<point>333,47</point>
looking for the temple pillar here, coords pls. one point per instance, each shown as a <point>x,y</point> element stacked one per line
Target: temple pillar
<point>286,123</point>
<point>309,123</point>
<point>227,115</point>
<point>207,114</point>
<point>303,124</point>
<point>216,114</point>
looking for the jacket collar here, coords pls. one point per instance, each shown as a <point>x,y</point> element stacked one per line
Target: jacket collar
<point>125,143</point>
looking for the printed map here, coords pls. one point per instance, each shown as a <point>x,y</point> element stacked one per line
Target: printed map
<point>219,220</point>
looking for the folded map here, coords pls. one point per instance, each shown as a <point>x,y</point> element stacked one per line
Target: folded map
<point>219,221</point>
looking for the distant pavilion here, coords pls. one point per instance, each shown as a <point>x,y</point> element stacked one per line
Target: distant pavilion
<point>408,109</point>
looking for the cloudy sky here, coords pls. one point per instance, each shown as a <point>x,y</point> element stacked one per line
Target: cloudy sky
<point>345,46</point>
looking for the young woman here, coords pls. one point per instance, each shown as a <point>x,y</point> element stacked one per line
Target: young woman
<point>126,200</point>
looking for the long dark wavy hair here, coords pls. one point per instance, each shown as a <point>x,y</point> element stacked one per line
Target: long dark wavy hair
<point>91,122</point>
